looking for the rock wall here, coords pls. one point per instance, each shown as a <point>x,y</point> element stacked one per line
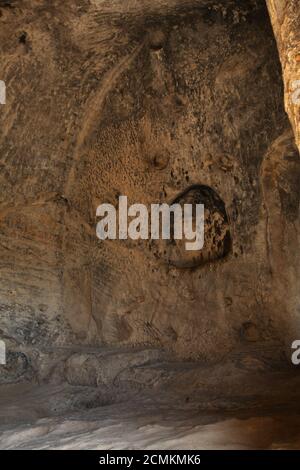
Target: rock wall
<point>148,101</point>
<point>285,17</point>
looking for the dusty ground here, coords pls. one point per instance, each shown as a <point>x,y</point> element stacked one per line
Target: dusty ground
<point>243,403</point>
<point>153,425</point>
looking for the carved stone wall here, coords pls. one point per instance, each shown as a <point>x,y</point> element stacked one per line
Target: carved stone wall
<point>146,99</point>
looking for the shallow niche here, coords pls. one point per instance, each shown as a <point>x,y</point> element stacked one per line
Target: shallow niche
<point>217,236</point>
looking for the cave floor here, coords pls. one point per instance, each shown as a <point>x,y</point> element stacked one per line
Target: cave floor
<point>243,403</point>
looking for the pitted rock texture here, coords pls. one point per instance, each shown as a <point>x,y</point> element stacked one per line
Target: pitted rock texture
<point>144,99</point>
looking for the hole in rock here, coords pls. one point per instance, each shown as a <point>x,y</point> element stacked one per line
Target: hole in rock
<point>217,237</point>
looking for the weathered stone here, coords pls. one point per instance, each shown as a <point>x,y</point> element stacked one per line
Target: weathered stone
<point>144,101</point>
<point>162,101</point>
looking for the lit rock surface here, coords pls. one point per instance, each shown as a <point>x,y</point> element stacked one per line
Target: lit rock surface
<point>285,17</point>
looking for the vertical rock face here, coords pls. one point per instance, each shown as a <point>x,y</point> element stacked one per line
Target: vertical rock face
<point>285,17</point>
<point>148,101</point>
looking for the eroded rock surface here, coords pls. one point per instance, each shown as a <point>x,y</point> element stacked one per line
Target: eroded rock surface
<point>285,16</point>
<point>162,101</point>
<point>105,99</point>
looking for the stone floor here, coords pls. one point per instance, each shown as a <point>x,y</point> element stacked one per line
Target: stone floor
<point>243,403</point>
